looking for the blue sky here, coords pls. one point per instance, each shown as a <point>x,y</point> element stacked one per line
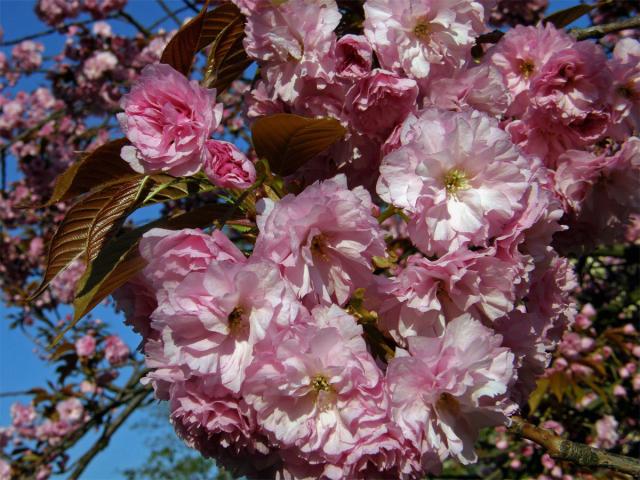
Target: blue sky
<point>20,368</point>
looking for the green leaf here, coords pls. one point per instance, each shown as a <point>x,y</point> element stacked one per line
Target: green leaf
<point>562,18</point>
<point>227,58</point>
<point>288,141</point>
<point>538,394</point>
<point>165,187</point>
<point>96,169</point>
<point>87,225</point>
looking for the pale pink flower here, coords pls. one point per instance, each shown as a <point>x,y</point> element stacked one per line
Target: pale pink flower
<point>213,420</point>
<point>115,350</point>
<point>27,55</point>
<point>421,38</point>
<point>323,239</point>
<point>70,410</point>
<point>607,432</point>
<point>85,346</point>
<point>172,254</point>
<point>294,38</point>
<point>5,470</point>
<point>227,167</point>
<point>457,175</point>
<point>447,388</point>
<point>428,293</point>
<point>99,64</point>
<point>380,101</point>
<point>137,300</point>
<point>319,394</point>
<point>168,121</point>
<point>22,416</point>
<point>63,286</point>
<point>211,321</point>
<point>481,88</point>
<point>523,51</point>
<point>354,56</point>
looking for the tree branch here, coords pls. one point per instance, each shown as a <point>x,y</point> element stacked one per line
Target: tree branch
<point>169,12</point>
<point>577,453</point>
<point>132,21</point>
<point>598,31</point>
<point>103,441</point>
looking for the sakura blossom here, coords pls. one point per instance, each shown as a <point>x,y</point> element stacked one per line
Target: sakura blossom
<point>457,175</point>
<point>168,131</point>
<point>228,167</point>
<point>324,240</point>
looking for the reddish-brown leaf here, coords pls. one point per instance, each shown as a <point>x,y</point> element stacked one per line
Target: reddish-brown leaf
<point>227,58</point>
<point>288,141</point>
<point>87,225</point>
<point>562,18</point>
<point>96,169</point>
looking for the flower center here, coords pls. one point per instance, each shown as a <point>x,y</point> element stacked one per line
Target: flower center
<point>626,91</point>
<point>454,181</point>
<point>448,403</point>
<point>235,321</point>
<point>320,384</point>
<point>422,29</point>
<point>319,245</point>
<point>527,67</point>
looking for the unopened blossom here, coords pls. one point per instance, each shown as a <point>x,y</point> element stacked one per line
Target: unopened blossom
<point>380,101</point>
<point>55,11</point>
<point>85,346</point>
<point>70,410</point>
<point>211,321</point>
<point>445,389</point>
<point>168,120</point>
<point>226,166</point>
<point>354,56</point>
<point>323,240</point>
<point>115,350</point>
<point>426,38</point>
<point>457,175</point>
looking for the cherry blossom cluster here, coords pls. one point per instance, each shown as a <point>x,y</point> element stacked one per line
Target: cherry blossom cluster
<point>306,359</point>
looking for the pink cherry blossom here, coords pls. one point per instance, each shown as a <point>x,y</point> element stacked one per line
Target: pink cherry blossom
<point>168,121</point>
<point>606,431</point>
<point>85,346</point>
<point>228,167</point>
<point>115,350</point>
<point>323,239</point>
<point>457,175</point>
<point>380,101</point>
<point>322,395</point>
<point>354,56</point>
<point>447,388</point>
<point>99,64</point>
<point>427,294</point>
<point>70,410</point>
<point>424,38</point>
<point>211,321</point>
<point>172,254</point>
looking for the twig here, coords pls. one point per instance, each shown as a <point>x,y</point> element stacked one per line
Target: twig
<point>598,31</point>
<point>132,21</point>
<point>191,5</point>
<point>103,441</point>
<point>169,13</point>
<point>577,453</point>
<point>158,22</point>
<point>53,30</point>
